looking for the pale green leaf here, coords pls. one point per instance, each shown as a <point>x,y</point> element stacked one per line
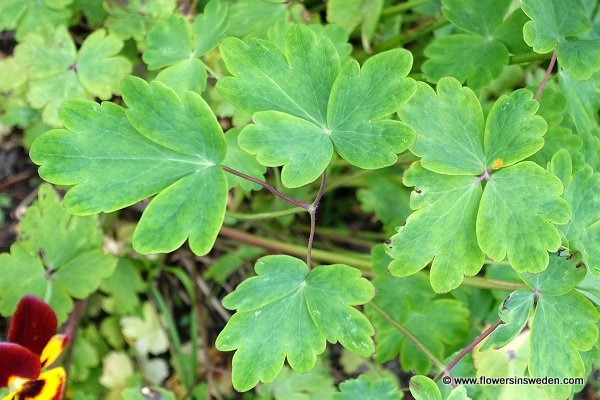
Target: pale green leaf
<point>289,311</point>
<point>253,17</point>
<point>514,313</point>
<point>146,333</point>
<point>423,388</point>
<point>116,158</point>
<point>133,18</point>
<point>32,16</point>
<point>123,287</point>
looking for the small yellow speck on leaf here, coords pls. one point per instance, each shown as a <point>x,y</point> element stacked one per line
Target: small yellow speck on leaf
<point>497,164</point>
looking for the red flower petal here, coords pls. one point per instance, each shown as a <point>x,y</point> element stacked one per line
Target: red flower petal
<point>32,325</point>
<point>17,361</point>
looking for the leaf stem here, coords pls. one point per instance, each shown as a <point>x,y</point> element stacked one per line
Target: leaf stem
<point>313,218</point>
<point>353,259</point>
<point>397,9</point>
<point>265,215</point>
<point>525,58</point>
<point>466,350</point>
<point>538,94</point>
<point>270,188</point>
<point>485,283</point>
<point>408,334</point>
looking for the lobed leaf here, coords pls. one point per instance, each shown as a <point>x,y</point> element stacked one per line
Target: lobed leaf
<point>142,152</point>
<point>305,104</point>
<point>290,312</point>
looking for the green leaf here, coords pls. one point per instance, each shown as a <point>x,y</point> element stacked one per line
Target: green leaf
<point>32,16</point>
<point>133,18</point>
<point>446,208</point>
<point>387,197</point>
<point>364,388</point>
<point>241,161</point>
<point>423,388</point>
<point>440,323</point>
<point>583,230</point>
<point>351,13</point>
<point>454,224</point>
<point>555,25</point>
<point>303,97</point>
<point>58,257</point>
<point>253,17</point>
<point>562,319</point>
<point>123,287</point>
<point>174,44</point>
<point>58,73</point>
<point>480,61</point>
<point>289,311</point>
<point>316,384</point>
<point>115,158</point>
<point>514,312</point>
<point>518,207</point>
<point>480,17</point>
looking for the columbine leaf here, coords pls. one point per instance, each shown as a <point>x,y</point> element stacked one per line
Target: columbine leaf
<point>29,16</point>
<point>147,333</point>
<point>446,208</point>
<point>350,14</point>
<point>72,263</point>
<point>57,72</point>
<point>478,55</point>
<point>364,388</point>
<point>317,384</point>
<point>521,202</point>
<point>556,25</point>
<point>480,61</point>
<point>424,388</point>
<point>174,44</point>
<point>583,230</point>
<point>305,104</point>
<point>423,313</point>
<point>562,318</point>
<point>289,311</point>
<point>123,287</point>
<point>116,158</point>
<point>242,161</point>
<point>133,18</point>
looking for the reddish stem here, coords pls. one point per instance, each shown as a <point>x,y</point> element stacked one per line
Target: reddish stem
<point>467,349</point>
<point>313,218</point>
<point>270,188</point>
<point>538,95</point>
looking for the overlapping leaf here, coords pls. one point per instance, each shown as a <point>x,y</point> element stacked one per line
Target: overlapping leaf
<point>58,257</point>
<point>133,18</point>
<point>439,323</point>
<point>30,16</point>
<point>583,230</point>
<point>479,54</point>
<point>558,25</point>
<point>290,312</point>
<point>562,318</point>
<point>116,157</point>
<point>364,388</point>
<point>455,224</point>
<point>424,388</point>
<point>316,384</point>
<point>305,104</point>
<point>176,47</point>
<point>57,71</point>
